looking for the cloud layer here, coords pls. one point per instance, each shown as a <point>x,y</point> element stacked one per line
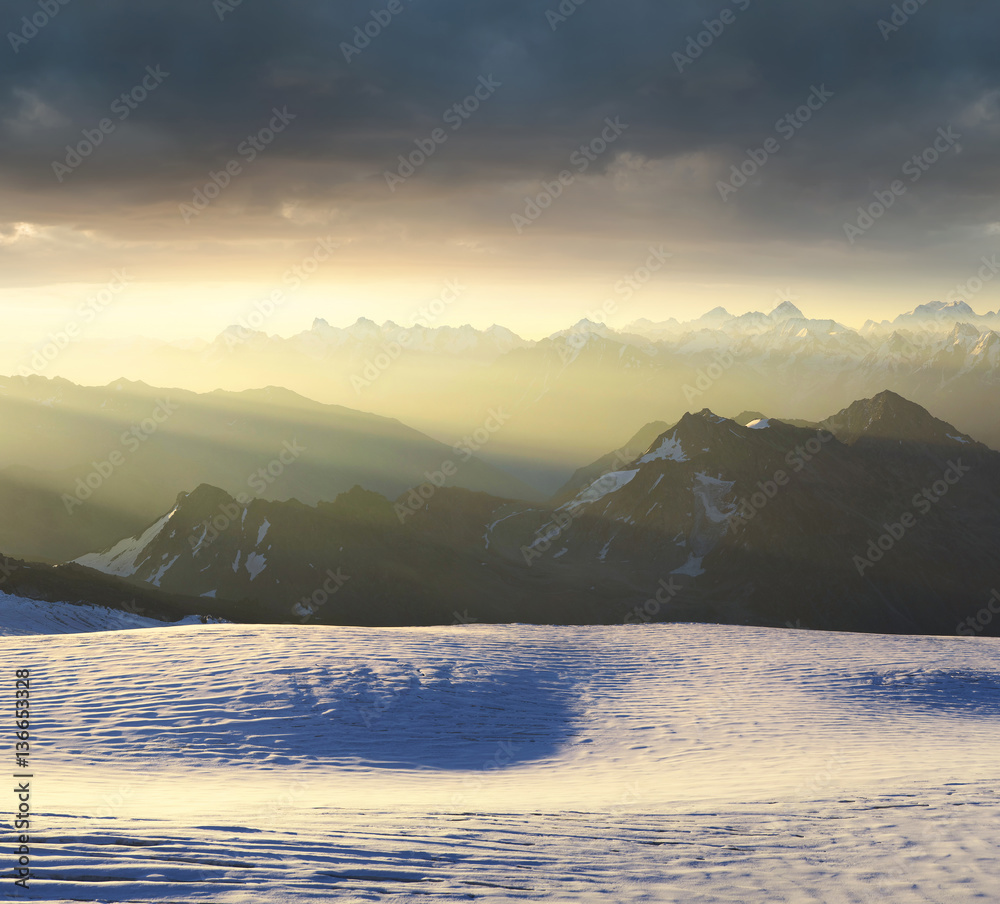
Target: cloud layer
<point>702,87</point>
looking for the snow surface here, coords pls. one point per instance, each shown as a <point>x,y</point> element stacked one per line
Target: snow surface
<point>605,484</point>
<point>652,763</point>
<point>255,564</point>
<point>670,449</point>
<point>20,616</point>
<point>761,423</point>
<point>263,531</point>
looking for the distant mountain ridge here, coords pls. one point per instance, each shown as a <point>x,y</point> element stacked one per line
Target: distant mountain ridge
<point>441,380</point>
<point>323,339</point>
<point>85,465</point>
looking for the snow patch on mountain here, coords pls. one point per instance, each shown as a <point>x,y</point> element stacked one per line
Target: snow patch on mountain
<point>608,483</point>
<point>711,513</point>
<point>161,571</point>
<point>122,559</point>
<point>196,547</point>
<point>669,449</point>
<point>691,568</point>
<point>255,564</point>
<point>711,492</point>
<point>490,527</point>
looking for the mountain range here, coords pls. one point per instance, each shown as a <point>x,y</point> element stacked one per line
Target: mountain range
<point>878,518</point>
<point>84,466</point>
<point>444,381</point>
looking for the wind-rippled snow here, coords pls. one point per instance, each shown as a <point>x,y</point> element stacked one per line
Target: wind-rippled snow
<point>655,763</point>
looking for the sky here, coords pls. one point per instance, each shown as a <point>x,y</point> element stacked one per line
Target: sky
<point>171,166</point>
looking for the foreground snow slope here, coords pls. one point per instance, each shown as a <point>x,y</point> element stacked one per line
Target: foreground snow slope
<point>20,616</point>
<point>496,763</point>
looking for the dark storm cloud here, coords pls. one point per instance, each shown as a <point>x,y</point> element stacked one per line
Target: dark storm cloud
<point>891,91</point>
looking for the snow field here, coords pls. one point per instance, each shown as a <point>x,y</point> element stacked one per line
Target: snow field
<point>659,763</point>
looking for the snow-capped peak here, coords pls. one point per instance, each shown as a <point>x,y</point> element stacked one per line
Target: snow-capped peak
<point>786,311</point>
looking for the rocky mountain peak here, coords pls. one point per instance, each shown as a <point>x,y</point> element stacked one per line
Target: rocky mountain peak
<point>888,416</point>
<point>786,311</point>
